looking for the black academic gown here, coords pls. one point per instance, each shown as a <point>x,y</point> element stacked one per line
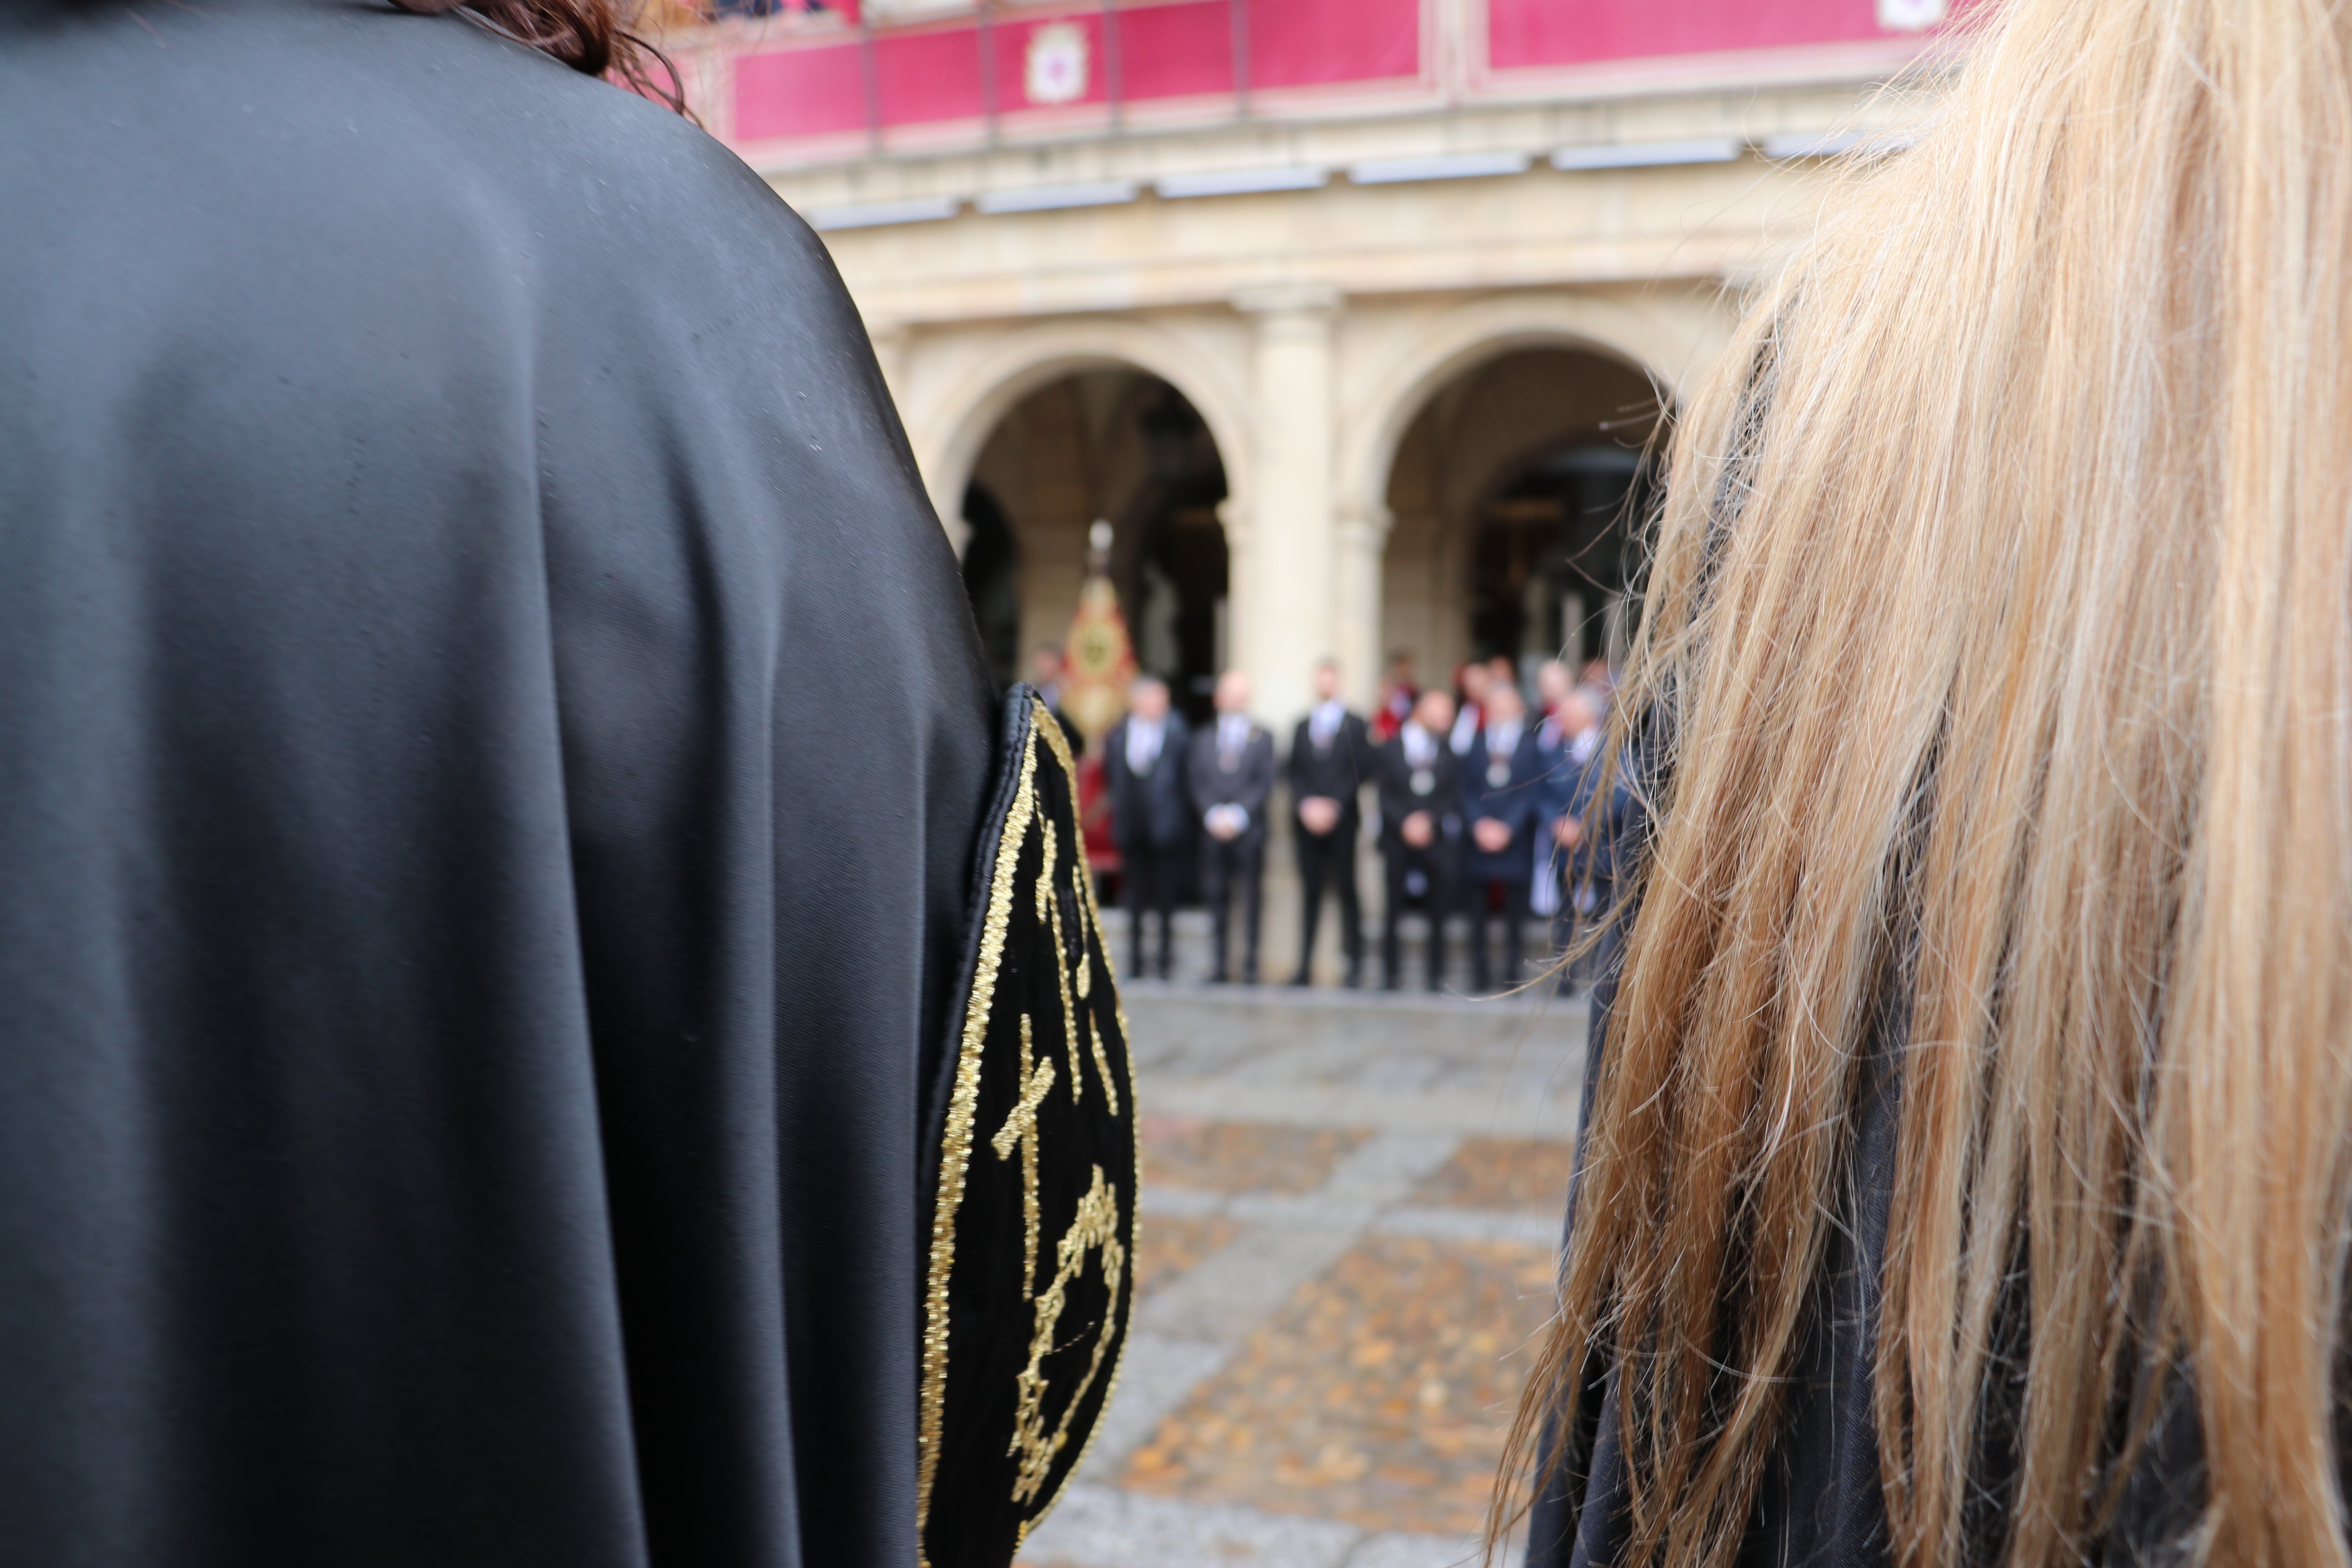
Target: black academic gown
<point>460,1063</point>
<point>1821,1503</point>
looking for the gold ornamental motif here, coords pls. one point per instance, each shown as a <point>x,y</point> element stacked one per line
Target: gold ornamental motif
<point>1095,1229</point>
<point>1033,908</point>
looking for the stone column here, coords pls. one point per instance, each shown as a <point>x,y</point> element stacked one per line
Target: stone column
<point>1363,539</point>
<point>1286,577</point>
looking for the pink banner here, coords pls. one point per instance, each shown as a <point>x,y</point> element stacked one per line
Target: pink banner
<point>799,92</point>
<point>1176,51</point>
<point>1296,43</point>
<point>1575,32</point>
<point>920,77</point>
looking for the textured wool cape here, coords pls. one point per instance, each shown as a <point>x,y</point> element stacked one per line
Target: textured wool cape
<point>492,749</point>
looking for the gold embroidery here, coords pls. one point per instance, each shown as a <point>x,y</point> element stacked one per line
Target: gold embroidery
<point>1082,887</point>
<point>1094,1229</point>
<point>1086,953</point>
<point>1021,1129</point>
<point>1102,947</point>
<point>1135,1218</point>
<point>955,1150</point>
<point>1049,915</point>
<point>1098,1222</point>
<point>1102,1062</point>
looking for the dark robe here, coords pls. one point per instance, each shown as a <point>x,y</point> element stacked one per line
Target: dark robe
<point>492,749</point>
<point>1821,1503</point>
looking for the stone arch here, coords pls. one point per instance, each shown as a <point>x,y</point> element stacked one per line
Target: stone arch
<point>950,429</point>
<point>1664,341</point>
<point>1419,543</point>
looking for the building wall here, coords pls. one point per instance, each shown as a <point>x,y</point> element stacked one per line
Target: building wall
<point>1317,329</point>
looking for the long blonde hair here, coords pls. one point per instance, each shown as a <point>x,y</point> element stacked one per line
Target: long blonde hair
<point>2001,631</point>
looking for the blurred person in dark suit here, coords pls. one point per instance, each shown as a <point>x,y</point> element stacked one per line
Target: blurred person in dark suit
<point>1398,694</point>
<point>1502,803</point>
<point>1420,783</point>
<point>1553,683</point>
<point>1045,674</point>
<point>1046,667</point>
<point>1232,777</point>
<point>1330,761</point>
<point>1470,680</point>
<point>1567,742</point>
<point>1143,763</point>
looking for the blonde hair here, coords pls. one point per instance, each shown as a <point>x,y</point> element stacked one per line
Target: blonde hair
<point>1999,629</point>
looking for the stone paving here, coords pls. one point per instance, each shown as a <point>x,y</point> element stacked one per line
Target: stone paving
<point>1349,1212</point>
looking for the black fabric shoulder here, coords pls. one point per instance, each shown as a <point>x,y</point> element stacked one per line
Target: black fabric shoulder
<point>492,741</point>
<point>1030,1280</point>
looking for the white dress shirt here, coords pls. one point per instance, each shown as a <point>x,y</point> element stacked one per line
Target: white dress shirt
<point>1323,724</point>
<point>1466,728</point>
<point>1232,737</point>
<point>1144,739</point>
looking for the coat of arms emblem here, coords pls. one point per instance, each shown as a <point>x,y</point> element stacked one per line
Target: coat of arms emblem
<point>1056,67</point>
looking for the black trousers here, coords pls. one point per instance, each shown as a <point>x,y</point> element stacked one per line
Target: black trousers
<point>1424,877</point>
<point>1513,917</point>
<point>1149,874</point>
<point>1329,861</point>
<point>1224,863</point>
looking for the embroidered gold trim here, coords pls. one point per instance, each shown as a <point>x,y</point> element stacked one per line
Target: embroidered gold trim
<point>1079,880</point>
<point>1051,728</point>
<point>1049,915</point>
<point>1096,1227</point>
<point>1102,1062</point>
<point>1098,1222</point>
<point>1021,1129</point>
<point>1135,1214</point>
<point>955,1151</point>
<point>1135,1221</point>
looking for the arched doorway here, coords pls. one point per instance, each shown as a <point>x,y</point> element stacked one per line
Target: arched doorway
<point>1514,496</point>
<point>1551,562</point>
<point>1115,445</point>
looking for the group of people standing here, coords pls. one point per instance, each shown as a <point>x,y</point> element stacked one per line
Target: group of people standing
<point>1486,813</point>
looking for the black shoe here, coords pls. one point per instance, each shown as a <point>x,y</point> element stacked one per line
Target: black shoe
<point>1218,977</point>
<point>1302,980</point>
<point>1355,981</point>
<point>1391,984</point>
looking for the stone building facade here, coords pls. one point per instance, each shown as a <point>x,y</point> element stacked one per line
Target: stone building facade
<point>1353,317</point>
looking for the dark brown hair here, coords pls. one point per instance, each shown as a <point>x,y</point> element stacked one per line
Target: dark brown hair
<point>592,36</point>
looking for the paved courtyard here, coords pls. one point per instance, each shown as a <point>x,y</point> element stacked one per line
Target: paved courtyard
<point>1349,1209</point>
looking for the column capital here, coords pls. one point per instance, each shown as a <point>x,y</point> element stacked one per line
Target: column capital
<point>1294,299</point>
<point>1235,520</point>
<point>1365,527</point>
